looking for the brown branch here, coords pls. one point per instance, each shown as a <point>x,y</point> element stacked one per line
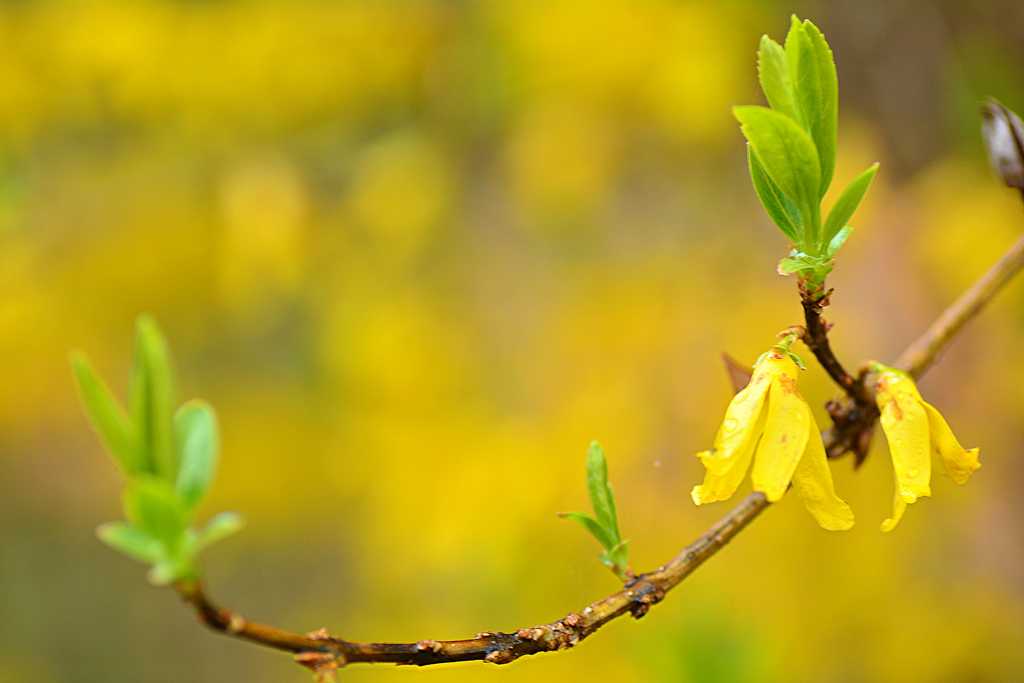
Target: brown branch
<point>853,420</point>
<point>324,653</point>
<point>926,350</point>
<point>815,338</point>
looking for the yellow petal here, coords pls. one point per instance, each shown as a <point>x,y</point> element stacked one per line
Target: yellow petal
<point>959,462</point>
<point>899,506</point>
<point>905,424</point>
<point>738,431</point>
<point>723,486</point>
<point>812,480</point>
<point>785,436</point>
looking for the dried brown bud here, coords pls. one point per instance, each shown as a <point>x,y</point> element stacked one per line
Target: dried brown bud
<point>1004,137</point>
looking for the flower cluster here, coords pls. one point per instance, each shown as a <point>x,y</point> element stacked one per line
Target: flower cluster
<point>770,423</point>
<point>917,434</point>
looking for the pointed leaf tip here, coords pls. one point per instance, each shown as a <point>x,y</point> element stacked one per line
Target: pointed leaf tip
<point>848,202</point>
<point>220,527</point>
<point>151,398</point>
<point>199,444</point>
<point>107,416</point>
<point>602,498</point>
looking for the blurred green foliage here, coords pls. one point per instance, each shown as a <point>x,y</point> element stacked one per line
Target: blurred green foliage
<point>168,458</point>
<point>418,255</point>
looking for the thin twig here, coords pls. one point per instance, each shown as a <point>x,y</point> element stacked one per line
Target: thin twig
<point>926,350</point>
<point>321,651</point>
<point>852,419</point>
<point>815,338</point>
<point>325,654</point>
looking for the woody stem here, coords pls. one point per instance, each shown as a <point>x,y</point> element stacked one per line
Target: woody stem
<point>926,350</point>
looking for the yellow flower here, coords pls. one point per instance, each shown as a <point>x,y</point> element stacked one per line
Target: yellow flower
<point>916,433</point>
<point>770,423</point>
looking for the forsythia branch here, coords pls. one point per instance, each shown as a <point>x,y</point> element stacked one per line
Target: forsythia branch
<point>925,351</point>
<point>815,338</point>
<point>323,652</point>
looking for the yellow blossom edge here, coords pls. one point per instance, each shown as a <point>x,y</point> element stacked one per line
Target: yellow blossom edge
<point>779,434</point>
<point>785,435</point>
<point>959,462</point>
<point>905,424</point>
<point>916,433</point>
<point>738,431</point>
<point>899,506</point>
<point>723,486</point>
<point>812,481</point>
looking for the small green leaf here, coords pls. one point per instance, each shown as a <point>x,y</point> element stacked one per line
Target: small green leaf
<point>219,528</point>
<point>196,428</point>
<point>795,46</point>
<point>815,268</point>
<point>605,526</point>
<point>847,203</point>
<point>151,398</point>
<point>828,115</point>
<point>619,552</point>
<point>782,211</point>
<point>810,95</point>
<point>774,74</point>
<point>107,416</point>
<point>616,559</point>
<point>790,159</point>
<point>152,505</point>
<point>588,522</point>
<point>838,240</point>
<point>171,570</point>
<point>601,495</point>
<point>130,540</point>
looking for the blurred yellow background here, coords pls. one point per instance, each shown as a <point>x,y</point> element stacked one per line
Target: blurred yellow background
<point>419,255</point>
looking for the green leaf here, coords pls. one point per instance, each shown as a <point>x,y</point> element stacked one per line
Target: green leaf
<point>790,159</point>
<point>796,41</point>
<point>199,444</point>
<point>152,505</point>
<point>774,74</point>
<point>814,268</point>
<point>151,398</point>
<point>588,522</point>
<point>130,540</point>
<point>838,240</point>
<point>847,203</point>
<point>618,554</point>
<point>815,94</point>
<point>605,526</point>
<point>172,570</point>
<point>616,559</point>
<point>828,115</point>
<point>782,211</point>
<point>219,528</point>
<point>601,495</point>
<point>107,416</point>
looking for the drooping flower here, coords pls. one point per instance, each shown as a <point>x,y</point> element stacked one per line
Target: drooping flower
<point>917,434</point>
<point>770,423</point>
